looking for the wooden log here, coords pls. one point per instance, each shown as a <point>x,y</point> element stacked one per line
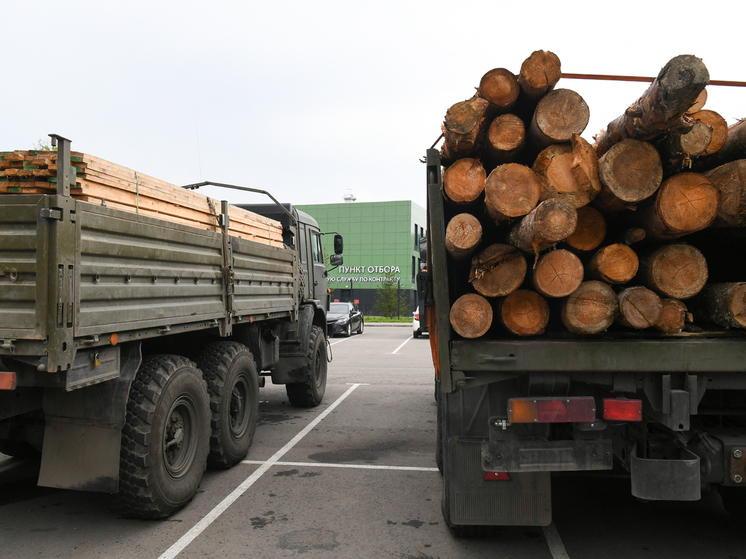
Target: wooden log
<point>497,271</point>
<point>590,230</point>
<point>590,309</point>
<point>506,138</point>
<point>463,181</point>
<point>557,273</point>
<point>718,127</point>
<point>678,271</point>
<point>674,318</point>
<point>699,103</point>
<point>540,72</point>
<point>730,180</point>
<point>671,94</point>
<point>551,221</point>
<point>723,304</point>
<point>615,264</point>
<point>500,87</point>
<point>524,313</point>
<point>462,128</point>
<point>463,234</point>
<point>685,203</point>
<point>471,316</point>
<point>629,172</point>
<point>681,144</point>
<point>733,149</point>
<point>511,190</point>
<point>633,235</point>
<point>560,114</point>
<point>569,171</point>
<point>639,308</point>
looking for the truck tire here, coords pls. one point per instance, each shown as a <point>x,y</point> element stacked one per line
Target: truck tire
<point>233,386</point>
<point>165,439</point>
<point>310,392</point>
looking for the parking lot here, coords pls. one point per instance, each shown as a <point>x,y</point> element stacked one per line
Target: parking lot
<point>355,477</point>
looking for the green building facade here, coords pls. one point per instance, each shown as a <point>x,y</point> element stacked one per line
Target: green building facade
<point>380,239</point>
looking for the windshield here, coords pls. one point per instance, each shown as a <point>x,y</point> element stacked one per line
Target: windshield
<point>339,308</point>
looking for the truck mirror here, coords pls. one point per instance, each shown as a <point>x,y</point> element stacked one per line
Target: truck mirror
<point>335,260</point>
<point>338,245</point>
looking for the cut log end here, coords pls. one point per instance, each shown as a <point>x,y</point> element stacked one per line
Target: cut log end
<point>678,271</point>
<point>557,273</point>
<point>639,308</point>
<point>686,203</point>
<point>500,87</point>
<point>590,309</point>
<point>560,114</point>
<point>471,316</point>
<point>540,72</point>
<point>590,231</point>
<point>568,170</point>
<point>674,316</point>
<point>631,170</point>
<point>511,190</point>
<point>498,270</point>
<point>524,313</point>
<point>615,264</point>
<point>463,182</point>
<point>463,234</point>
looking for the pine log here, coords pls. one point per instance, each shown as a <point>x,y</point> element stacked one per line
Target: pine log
<point>699,102</point>
<point>723,304</point>
<point>560,114</point>
<point>500,87</point>
<point>590,230</point>
<point>730,180</point>
<point>685,203</point>
<point>718,127</point>
<point>471,316</point>
<point>569,171</point>
<point>633,235</point>
<point>550,222</point>
<point>639,308</point>
<point>682,143</point>
<point>557,273</point>
<point>463,234</point>
<point>497,271</point>
<point>614,264</point>
<point>463,126</point>
<point>506,137</point>
<point>463,181</point>
<point>662,105</point>
<point>524,313</point>
<point>590,309</point>
<point>674,318</point>
<point>677,270</point>
<point>629,172</point>
<point>733,149</point>
<point>511,190</point>
<point>540,72</point>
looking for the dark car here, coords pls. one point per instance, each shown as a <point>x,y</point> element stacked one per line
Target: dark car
<point>344,318</point>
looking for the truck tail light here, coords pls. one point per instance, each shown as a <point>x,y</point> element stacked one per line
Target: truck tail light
<point>8,380</point>
<point>571,409</point>
<point>621,409</point>
<point>496,476</point>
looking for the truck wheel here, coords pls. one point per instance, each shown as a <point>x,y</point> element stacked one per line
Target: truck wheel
<point>233,386</point>
<point>734,501</point>
<point>165,439</point>
<point>310,392</point>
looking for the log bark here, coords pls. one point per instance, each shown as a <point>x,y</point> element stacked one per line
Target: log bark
<point>463,235</point>
<point>590,309</point>
<point>497,271</point>
<point>685,203</point>
<point>500,87</point>
<point>463,181</point>
<point>723,304</point>
<point>557,273</point>
<point>674,318</point>
<point>662,105</point>
<point>629,172</point>
<point>550,222</point>
<point>681,144</point>
<point>471,316</point>
<point>733,149</point>
<point>511,190</point>
<point>506,138</point>
<point>639,308</point>
<point>590,230</point>
<point>730,180</point>
<point>569,171</point>
<point>560,114</point>
<point>678,271</point>
<point>463,126</point>
<point>524,313</point>
<point>614,264</point>
<point>540,72</point>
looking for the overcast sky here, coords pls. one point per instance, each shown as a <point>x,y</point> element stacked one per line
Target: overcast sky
<point>310,99</point>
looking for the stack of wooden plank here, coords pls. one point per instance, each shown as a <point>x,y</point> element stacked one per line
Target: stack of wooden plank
<point>104,183</point>
<point>645,230</point>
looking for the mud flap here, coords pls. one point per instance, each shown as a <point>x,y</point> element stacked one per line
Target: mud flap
<point>523,500</point>
<point>666,480</point>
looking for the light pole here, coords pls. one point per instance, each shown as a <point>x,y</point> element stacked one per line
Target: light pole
<point>398,298</point>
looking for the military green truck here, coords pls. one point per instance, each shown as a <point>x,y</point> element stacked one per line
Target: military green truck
<point>670,409</point>
<point>132,349</point>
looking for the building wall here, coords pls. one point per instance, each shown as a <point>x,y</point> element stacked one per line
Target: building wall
<point>379,238</point>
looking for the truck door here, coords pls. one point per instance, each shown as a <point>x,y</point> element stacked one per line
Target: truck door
<point>320,291</point>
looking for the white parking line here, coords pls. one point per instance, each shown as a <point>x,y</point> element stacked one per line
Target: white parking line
<point>349,466</point>
<point>402,345</point>
<point>554,542</point>
<point>340,341</point>
<point>208,519</point>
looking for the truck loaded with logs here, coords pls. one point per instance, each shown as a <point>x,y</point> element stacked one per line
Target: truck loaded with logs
<point>139,321</point>
<point>586,302</point>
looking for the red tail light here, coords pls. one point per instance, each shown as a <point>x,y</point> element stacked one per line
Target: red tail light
<point>8,381</point>
<point>496,476</point>
<point>417,317</point>
<point>573,409</point>
<point>621,409</point>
